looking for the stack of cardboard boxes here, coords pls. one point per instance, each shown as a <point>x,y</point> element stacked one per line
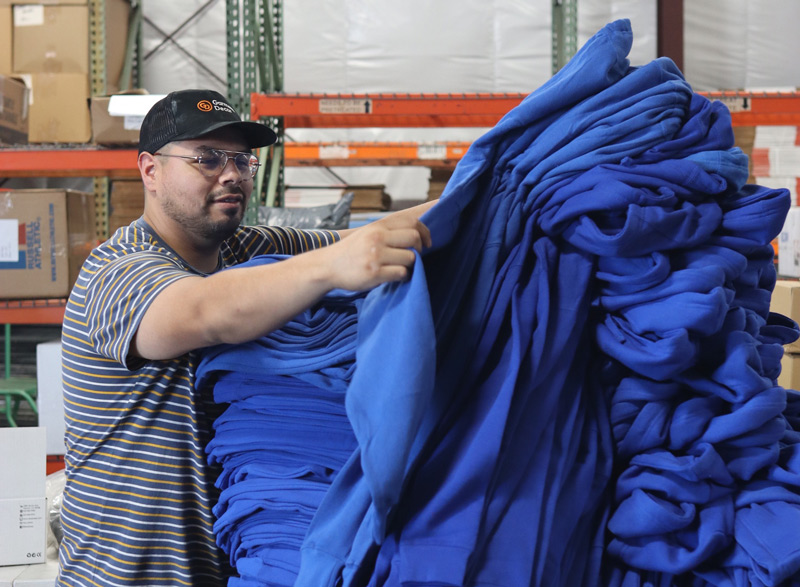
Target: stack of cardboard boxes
<point>439,178</point>
<point>44,47</point>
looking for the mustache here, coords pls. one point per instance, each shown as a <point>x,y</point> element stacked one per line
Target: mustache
<point>232,191</point>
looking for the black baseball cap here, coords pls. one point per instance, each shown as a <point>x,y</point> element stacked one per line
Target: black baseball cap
<point>191,114</point>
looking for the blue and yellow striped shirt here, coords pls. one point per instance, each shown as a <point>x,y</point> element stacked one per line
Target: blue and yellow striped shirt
<point>139,492</point>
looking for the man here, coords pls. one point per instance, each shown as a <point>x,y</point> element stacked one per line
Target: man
<point>137,503</point>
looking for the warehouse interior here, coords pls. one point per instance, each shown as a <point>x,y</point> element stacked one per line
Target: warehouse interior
<point>375,105</point>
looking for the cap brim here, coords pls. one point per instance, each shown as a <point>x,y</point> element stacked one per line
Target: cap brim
<point>255,133</point>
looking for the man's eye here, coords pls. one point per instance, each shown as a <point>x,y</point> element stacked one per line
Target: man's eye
<point>211,160</point>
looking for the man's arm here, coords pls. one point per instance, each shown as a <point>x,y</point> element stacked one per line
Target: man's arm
<point>239,305</point>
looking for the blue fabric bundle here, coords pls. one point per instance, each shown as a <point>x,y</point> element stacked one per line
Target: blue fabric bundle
<point>577,384</point>
<point>283,436</point>
<point>599,241</point>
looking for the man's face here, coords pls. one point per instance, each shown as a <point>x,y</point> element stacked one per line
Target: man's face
<point>208,208</point>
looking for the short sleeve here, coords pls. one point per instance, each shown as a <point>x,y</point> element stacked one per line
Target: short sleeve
<point>118,294</point>
<point>251,241</point>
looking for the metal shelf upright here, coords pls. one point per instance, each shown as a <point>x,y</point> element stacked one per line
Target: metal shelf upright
<point>255,65</point>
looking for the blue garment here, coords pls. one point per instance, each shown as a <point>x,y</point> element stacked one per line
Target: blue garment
<point>608,209</point>
<point>575,387</point>
<point>283,435</point>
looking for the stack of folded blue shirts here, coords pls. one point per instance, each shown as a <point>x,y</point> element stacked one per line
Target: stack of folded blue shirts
<point>283,435</point>
<point>577,386</point>
<point>601,408</point>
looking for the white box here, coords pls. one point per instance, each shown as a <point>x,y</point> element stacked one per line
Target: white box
<point>50,395</point>
<point>23,539</point>
<point>23,462</point>
<point>23,503</point>
<point>789,245</point>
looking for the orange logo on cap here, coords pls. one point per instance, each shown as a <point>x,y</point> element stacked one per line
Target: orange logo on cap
<point>205,106</point>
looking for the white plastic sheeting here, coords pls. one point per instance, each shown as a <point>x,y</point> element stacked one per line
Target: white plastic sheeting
<point>460,46</point>
<point>741,44</point>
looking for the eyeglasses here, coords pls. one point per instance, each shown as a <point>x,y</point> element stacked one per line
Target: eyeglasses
<point>212,161</point>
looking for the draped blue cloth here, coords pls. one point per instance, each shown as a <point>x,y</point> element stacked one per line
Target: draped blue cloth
<point>577,386</point>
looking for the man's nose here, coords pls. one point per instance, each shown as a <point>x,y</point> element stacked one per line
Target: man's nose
<point>230,172</point>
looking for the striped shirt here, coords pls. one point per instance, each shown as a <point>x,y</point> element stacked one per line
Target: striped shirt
<point>137,504</point>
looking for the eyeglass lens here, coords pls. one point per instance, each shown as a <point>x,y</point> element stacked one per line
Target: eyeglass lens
<point>213,161</point>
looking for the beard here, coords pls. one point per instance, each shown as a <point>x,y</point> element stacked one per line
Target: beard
<point>201,223</point>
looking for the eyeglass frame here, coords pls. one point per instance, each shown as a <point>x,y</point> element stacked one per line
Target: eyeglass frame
<point>252,164</point>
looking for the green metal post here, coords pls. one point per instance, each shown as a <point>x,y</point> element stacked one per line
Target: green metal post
<point>565,32</point>
<point>255,65</point>
<point>7,341</point>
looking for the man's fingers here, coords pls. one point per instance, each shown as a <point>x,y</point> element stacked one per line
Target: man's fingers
<point>395,223</point>
<point>395,256</point>
<point>425,234</point>
<point>404,238</point>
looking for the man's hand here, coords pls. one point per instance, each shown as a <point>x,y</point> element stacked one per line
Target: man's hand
<point>377,253</point>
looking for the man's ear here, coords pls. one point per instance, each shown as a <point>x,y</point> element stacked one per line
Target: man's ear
<point>147,169</point>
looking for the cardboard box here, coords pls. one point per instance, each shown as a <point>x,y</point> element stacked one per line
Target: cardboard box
<point>789,245</point>
<point>368,198</point>
<point>51,39</point>
<point>790,371</point>
<point>13,111</point>
<point>126,203</point>
<point>45,235</point>
<point>439,178</point>
<point>58,108</point>
<point>23,503</point>
<point>786,301</point>
<point>118,16</point>
<point>6,43</point>
<point>116,119</point>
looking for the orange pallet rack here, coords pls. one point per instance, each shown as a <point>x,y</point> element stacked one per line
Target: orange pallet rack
<point>384,110</point>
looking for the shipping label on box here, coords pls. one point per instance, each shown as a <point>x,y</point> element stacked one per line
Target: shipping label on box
<point>45,235</point>
<point>23,538</point>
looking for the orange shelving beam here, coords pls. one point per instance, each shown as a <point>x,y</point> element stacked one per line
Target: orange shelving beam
<point>384,110</point>
<point>45,311</point>
<point>475,109</point>
<point>760,108</point>
<point>27,163</point>
<point>435,154</point>
<point>78,162</point>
